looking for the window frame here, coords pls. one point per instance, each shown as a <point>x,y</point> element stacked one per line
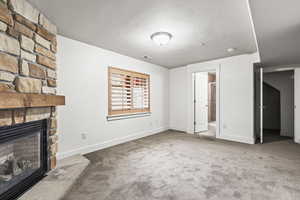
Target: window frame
<point>127,112</point>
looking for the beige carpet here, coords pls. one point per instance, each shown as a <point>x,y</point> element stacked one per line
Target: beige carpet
<point>177,166</point>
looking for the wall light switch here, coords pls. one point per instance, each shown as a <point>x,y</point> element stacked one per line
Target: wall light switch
<point>83,136</point>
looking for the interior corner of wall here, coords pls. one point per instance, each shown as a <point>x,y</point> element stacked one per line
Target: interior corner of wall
<point>189,131</point>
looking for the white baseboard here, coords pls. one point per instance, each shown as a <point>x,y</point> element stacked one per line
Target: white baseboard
<point>177,129</point>
<point>228,137</point>
<point>110,143</point>
<point>189,132</point>
<point>297,140</point>
<point>237,139</point>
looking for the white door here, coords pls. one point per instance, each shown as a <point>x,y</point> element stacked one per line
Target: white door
<point>201,101</point>
<point>261,105</point>
<point>259,78</point>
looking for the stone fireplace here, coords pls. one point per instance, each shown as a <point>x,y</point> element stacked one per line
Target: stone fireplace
<point>28,84</point>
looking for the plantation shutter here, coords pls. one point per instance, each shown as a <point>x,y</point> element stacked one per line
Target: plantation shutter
<point>128,92</point>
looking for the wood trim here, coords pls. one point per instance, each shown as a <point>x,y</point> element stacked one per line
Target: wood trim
<point>130,111</point>
<point>21,100</point>
<point>149,105</point>
<point>109,90</point>
<point>128,72</point>
<point>122,72</point>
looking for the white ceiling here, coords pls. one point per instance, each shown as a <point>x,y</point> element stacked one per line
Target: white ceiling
<point>125,26</point>
<point>277,27</point>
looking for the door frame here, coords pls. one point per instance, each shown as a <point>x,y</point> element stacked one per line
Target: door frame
<point>258,101</point>
<point>261,105</point>
<point>211,68</point>
<point>284,69</point>
<point>258,117</point>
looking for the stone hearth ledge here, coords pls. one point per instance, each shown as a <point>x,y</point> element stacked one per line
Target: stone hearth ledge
<point>59,181</point>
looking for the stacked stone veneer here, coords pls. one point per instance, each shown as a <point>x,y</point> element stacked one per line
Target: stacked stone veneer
<point>28,63</point>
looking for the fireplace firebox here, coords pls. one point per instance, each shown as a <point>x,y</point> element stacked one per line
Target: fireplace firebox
<point>23,157</point>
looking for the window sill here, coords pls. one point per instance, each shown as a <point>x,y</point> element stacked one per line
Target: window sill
<point>127,116</point>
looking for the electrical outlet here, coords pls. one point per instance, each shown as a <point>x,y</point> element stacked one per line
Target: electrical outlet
<point>151,124</point>
<point>83,136</point>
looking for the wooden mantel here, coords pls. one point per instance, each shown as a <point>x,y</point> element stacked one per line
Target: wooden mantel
<point>21,100</point>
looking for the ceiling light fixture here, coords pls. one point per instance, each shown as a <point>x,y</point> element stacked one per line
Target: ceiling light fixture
<point>231,50</point>
<point>161,38</point>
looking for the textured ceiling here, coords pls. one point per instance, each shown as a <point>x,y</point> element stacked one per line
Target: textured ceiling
<point>277,27</point>
<point>125,27</point>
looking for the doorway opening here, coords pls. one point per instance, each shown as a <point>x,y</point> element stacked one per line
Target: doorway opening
<point>205,101</point>
<point>275,104</point>
<point>278,105</point>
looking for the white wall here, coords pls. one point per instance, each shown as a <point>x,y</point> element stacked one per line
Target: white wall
<point>236,98</point>
<point>297,104</point>
<point>82,78</point>
<point>283,82</point>
<point>178,102</point>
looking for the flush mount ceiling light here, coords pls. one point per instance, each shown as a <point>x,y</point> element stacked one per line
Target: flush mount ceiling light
<point>161,38</point>
<point>231,50</point>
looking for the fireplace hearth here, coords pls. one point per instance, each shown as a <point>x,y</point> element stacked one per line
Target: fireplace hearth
<point>23,157</point>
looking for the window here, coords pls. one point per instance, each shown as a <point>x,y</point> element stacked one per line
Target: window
<point>128,92</point>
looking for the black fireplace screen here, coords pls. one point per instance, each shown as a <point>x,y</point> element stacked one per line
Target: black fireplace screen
<point>23,157</point>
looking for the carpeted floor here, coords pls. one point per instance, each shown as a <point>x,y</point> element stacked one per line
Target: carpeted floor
<point>177,166</point>
<point>211,132</point>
